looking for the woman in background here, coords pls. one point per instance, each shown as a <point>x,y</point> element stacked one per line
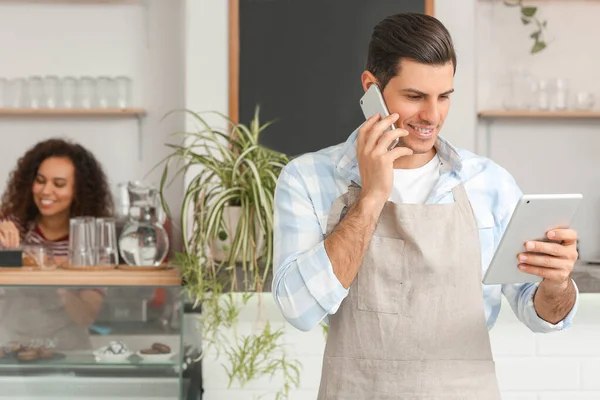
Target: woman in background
<point>53,181</point>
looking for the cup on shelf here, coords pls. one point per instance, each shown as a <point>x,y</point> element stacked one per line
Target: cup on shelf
<point>105,92</point>
<point>35,92</point>
<point>560,100</point>
<point>38,256</point>
<point>51,91</point>
<point>584,101</point>
<point>519,89</point>
<point>106,242</point>
<point>82,241</point>
<point>15,93</point>
<point>68,86</point>
<point>543,95</point>
<point>123,85</point>
<point>86,90</point>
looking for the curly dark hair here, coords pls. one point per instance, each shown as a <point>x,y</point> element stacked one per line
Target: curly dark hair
<point>91,197</point>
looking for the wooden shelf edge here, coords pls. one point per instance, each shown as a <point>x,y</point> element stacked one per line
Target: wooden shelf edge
<point>116,277</point>
<point>74,2</point>
<point>538,114</point>
<point>65,112</point>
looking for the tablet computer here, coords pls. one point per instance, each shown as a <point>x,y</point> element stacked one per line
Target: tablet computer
<point>533,216</point>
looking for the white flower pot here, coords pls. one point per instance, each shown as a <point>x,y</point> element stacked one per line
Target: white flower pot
<point>220,248</point>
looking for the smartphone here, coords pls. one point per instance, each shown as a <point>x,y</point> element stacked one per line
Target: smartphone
<point>372,103</point>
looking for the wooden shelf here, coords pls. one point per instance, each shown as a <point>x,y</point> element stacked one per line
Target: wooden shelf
<point>59,112</point>
<point>72,1</point>
<point>61,277</point>
<point>538,114</point>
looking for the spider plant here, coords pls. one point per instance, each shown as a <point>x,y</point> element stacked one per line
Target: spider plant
<point>234,171</point>
<point>229,169</point>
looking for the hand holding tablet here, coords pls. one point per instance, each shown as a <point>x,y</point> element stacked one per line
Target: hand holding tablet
<point>543,222</point>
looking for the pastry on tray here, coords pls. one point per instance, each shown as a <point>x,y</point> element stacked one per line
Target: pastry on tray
<point>28,355</point>
<point>158,352</point>
<point>12,348</point>
<point>149,351</point>
<point>45,353</point>
<point>161,348</point>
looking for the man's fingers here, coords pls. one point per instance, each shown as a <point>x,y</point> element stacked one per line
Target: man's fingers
<point>565,235</point>
<point>554,249</point>
<point>398,152</point>
<point>546,261</point>
<point>366,128</point>
<point>552,274</point>
<point>377,130</point>
<point>387,139</point>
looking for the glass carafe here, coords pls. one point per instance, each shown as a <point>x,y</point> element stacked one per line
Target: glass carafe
<point>143,241</point>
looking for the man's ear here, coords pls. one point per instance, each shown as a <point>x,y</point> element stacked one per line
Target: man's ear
<point>367,79</point>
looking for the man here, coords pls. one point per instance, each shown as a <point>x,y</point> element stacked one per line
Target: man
<point>389,246</point>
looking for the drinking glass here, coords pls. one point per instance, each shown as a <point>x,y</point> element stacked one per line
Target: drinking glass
<point>81,241</point>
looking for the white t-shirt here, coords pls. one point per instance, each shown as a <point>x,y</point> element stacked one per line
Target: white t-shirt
<point>413,186</point>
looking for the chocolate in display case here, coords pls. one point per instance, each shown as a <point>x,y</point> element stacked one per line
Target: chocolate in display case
<point>112,334</point>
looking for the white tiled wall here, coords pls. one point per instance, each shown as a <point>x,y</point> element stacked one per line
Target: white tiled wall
<point>557,366</point>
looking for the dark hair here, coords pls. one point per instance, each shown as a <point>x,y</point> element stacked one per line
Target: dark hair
<point>91,195</point>
<point>419,37</point>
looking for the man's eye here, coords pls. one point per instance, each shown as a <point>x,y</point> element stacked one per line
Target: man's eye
<point>414,97</point>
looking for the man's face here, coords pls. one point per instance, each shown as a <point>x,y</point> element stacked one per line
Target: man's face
<point>420,94</point>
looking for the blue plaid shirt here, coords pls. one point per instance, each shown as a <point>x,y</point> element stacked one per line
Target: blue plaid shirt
<point>304,285</point>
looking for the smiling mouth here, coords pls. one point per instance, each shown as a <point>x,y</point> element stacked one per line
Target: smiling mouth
<point>46,202</point>
<point>423,129</point>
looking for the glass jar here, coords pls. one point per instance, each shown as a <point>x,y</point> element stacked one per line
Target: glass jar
<point>144,241</point>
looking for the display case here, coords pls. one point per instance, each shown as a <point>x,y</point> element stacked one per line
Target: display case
<point>115,334</point>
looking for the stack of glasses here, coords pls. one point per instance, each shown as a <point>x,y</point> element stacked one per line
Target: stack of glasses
<point>92,242</point>
<point>52,92</point>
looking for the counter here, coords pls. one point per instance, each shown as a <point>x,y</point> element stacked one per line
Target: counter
<point>137,309</point>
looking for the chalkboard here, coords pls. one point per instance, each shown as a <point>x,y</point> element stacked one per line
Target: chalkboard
<point>301,61</point>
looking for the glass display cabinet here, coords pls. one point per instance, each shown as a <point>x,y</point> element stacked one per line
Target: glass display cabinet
<point>114,334</point>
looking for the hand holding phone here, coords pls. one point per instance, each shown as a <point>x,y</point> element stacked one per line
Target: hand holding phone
<point>375,159</point>
<point>373,103</point>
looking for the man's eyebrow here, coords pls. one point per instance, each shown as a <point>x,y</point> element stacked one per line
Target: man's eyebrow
<point>415,91</point>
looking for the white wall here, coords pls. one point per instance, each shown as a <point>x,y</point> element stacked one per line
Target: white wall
<point>546,156</point>
<point>144,41</point>
<point>459,18</point>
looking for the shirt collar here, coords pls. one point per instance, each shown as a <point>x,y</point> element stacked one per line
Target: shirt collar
<point>347,165</point>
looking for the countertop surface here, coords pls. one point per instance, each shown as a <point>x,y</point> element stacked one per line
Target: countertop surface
<point>587,277</point>
<point>24,276</point>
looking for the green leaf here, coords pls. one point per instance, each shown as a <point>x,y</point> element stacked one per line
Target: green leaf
<point>528,11</point>
<point>535,35</point>
<point>538,46</point>
<point>525,21</point>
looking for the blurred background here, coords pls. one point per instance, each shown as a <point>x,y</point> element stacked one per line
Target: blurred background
<point>105,73</point>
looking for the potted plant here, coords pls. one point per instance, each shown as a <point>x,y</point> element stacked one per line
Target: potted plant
<point>227,227</point>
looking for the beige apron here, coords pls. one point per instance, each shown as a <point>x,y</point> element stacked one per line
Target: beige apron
<point>413,324</point>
